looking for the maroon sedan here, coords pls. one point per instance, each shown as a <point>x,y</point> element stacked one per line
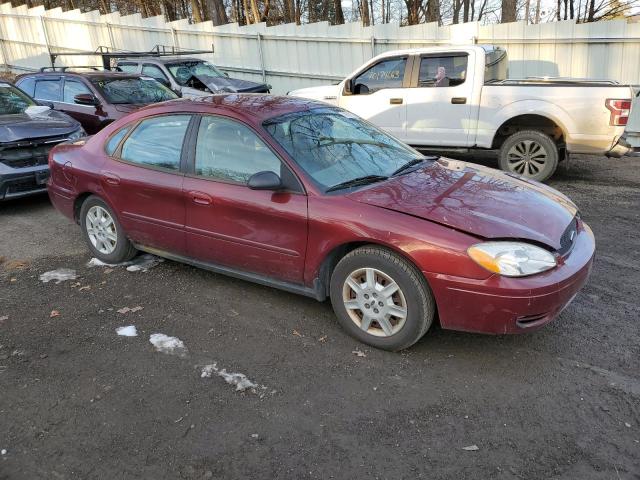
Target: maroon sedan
<point>311,199</point>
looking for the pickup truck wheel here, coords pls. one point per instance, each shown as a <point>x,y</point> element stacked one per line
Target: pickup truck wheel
<point>103,233</point>
<point>531,154</point>
<point>381,299</point>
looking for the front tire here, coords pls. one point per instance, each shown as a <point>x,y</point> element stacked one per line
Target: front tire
<point>103,233</point>
<point>381,299</point>
<point>529,153</point>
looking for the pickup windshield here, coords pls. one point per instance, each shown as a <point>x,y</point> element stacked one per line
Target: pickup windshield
<point>133,90</point>
<point>12,100</point>
<point>183,71</point>
<point>336,148</point>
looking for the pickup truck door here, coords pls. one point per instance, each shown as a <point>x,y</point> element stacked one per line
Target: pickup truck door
<point>439,103</point>
<point>378,94</point>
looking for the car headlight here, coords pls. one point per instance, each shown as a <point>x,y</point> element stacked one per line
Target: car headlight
<point>77,134</point>
<point>512,259</point>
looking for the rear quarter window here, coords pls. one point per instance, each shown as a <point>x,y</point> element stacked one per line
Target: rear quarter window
<point>113,142</point>
<point>47,90</point>
<point>27,85</point>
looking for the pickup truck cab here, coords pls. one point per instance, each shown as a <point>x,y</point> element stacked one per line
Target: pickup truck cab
<point>459,97</point>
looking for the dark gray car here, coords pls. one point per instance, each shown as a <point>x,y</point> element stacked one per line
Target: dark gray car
<point>27,132</point>
<point>189,76</point>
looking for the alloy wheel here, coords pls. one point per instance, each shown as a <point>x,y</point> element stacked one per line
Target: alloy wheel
<point>374,302</point>
<point>101,229</point>
<point>527,158</point>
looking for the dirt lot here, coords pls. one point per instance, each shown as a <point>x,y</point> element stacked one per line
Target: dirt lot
<point>77,401</point>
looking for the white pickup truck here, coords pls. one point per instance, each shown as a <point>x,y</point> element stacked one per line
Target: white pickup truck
<point>459,97</point>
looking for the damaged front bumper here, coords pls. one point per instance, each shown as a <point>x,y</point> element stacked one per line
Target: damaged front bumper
<point>21,182</point>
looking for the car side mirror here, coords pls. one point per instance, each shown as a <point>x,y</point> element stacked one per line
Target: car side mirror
<point>226,74</point>
<point>46,103</point>
<point>86,99</point>
<point>348,86</point>
<point>265,181</point>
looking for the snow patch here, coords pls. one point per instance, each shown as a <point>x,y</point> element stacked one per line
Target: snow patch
<point>129,331</point>
<point>144,263</point>
<point>168,345</point>
<point>240,380</point>
<point>141,263</point>
<point>59,275</point>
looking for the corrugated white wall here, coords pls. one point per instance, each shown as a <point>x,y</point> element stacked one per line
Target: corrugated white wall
<point>295,56</point>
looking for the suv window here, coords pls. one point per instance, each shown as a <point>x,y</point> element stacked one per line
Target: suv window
<point>27,85</point>
<point>229,151</point>
<point>47,90</point>
<point>385,74</point>
<point>157,142</point>
<point>73,88</point>
<point>446,71</point>
<point>154,72</point>
<point>128,67</point>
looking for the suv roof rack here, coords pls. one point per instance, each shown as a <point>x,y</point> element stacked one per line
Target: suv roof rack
<point>69,68</point>
<point>108,54</point>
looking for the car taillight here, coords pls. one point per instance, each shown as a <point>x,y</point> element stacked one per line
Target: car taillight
<point>619,109</point>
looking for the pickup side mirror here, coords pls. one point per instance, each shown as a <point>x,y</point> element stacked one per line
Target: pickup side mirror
<point>86,99</point>
<point>265,181</point>
<point>348,86</point>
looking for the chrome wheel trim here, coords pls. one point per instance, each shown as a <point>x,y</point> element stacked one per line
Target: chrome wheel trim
<point>527,158</point>
<point>101,229</point>
<point>374,302</point>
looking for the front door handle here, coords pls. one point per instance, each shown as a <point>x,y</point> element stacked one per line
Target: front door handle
<point>200,198</point>
<point>111,178</point>
<point>459,100</point>
<point>395,101</point>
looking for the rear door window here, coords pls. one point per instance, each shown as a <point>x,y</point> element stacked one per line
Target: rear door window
<point>157,142</point>
<point>128,67</point>
<point>154,72</point>
<point>73,88</point>
<point>47,89</point>
<point>445,71</point>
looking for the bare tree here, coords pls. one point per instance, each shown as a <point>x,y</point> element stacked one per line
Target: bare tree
<point>509,11</point>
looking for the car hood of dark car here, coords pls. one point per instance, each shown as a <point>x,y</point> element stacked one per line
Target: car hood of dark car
<point>477,200</point>
<point>230,84</point>
<point>16,127</point>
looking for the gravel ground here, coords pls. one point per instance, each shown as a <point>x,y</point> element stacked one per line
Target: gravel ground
<point>79,401</point>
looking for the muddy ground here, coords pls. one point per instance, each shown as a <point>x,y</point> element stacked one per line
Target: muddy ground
<point>77,401</point>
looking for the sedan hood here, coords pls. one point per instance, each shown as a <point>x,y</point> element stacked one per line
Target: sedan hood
<point>477,200</point>
<point>216,84</point>
<point>36,124</point>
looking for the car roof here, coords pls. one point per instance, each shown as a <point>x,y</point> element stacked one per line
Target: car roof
<point>164,60</point>
<point>98,75</point>
<point>252,107</point>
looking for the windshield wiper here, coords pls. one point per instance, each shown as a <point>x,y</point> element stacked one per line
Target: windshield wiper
<point>408,165</point>
<point>357,181</point>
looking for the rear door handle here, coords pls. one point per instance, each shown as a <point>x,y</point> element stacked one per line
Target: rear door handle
<point>200,198</point>
<point>111,178</point>
<point>459,100</point>
<point>395,101</point>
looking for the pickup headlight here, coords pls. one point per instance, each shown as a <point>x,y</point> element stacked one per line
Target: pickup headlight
<point>512,259</point>
<point>77,134</point>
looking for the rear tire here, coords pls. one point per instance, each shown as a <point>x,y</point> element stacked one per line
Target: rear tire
<point>381,299</point>
<point>103,233</point>
<point>531,154</point>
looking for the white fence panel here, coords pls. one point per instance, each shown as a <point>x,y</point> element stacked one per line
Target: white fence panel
<point>295,56</point>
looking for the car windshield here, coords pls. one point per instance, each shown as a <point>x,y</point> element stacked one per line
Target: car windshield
<point>183,71</point>
<point>337,148</point>
<point>133,90</point>
<point>12,100</point>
